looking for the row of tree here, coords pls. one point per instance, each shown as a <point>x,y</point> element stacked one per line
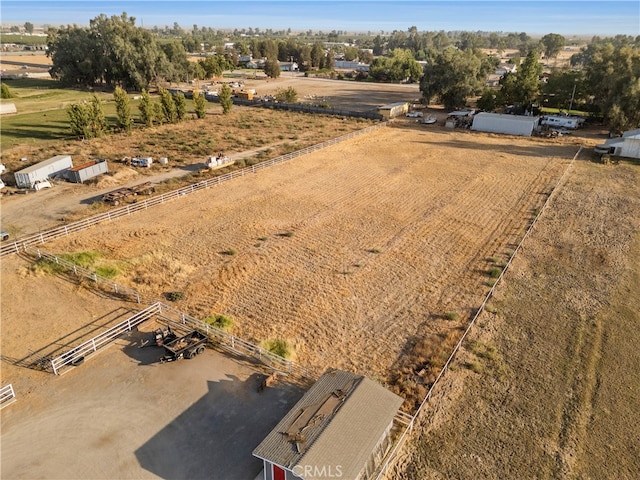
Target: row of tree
<point>114,52</point>
<point>88,120</point>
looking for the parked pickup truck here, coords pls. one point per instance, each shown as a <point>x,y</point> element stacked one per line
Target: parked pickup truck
<point>186,346</point>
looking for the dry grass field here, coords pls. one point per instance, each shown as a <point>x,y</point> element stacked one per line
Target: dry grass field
<point>547,386</point>
<point>372,255</point>
<point>364,255</point>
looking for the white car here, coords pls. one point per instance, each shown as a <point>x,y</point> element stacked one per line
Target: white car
<point>39,185</point>
<point>414,114</point>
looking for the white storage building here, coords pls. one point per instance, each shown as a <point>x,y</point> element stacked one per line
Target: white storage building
<point>27,177</point>
<point>626,146</point>
<point>507,124</point>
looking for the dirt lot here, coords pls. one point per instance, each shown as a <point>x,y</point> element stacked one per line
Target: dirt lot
<point>123,415</point>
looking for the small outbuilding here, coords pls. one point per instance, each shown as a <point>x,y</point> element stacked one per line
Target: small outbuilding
<point>27,177</point>
<point>502,123</point>
<point>341,428</point>
<point>393,110</point>
<point>86,171</point>
<point>626,146</point>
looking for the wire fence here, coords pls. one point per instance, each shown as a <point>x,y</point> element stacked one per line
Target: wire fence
<point>7,396</point>
<point>73,227</point>
<point>416,416</point>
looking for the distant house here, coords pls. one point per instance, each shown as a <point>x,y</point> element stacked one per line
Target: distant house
<point>341,428</point>
<point>347,65</point>
<point>288,67</point>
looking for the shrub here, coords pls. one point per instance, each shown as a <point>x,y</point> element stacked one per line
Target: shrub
<point>47,267</point>
<point>495,272</point>
<point>229,251</point>
<point>6,91</point>
<point>220,321</point>
<point>374,250</point>
<point>452,316</point>
<point>278,347</point>
<point>174,296</point>
<point>107,271</point>
<point>82,259</point>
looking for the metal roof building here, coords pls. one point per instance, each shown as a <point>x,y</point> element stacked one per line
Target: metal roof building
<point>27,177</point>
<point>340,427</point>
<point>507,124</point>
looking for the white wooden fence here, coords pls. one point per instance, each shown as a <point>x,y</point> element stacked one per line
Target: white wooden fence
<point>219,337</point>
<point>78,354</point>
<point>68,229</point>
<point>7,396</point>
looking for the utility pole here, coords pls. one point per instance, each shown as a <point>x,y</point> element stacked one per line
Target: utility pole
<point>572,96</point>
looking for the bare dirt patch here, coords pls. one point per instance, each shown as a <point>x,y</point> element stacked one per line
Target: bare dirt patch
<point>350,253</point>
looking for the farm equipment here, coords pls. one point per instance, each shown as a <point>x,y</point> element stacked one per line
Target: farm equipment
<point>187,346</point>
<point>117,196</point>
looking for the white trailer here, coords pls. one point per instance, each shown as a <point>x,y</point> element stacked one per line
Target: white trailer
<point>27,177</point>
<point>559,121</point>
<point>502,123</point>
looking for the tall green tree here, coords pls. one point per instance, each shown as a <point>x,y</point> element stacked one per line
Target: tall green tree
<point>98,123</point>
<point>145,107</point>
<point>181,106</point>
<point>272,68</point>
<point>224,97</point>
<point>28,27</point>
<point>113,51</point>
<point>123,109</point>
<point>523,87</point>
<point>79,120</point>
<point>613,77</point>
<point>200,104</point>
<point>168,106</point>
<point>453,76</point>
<point>552,43</point>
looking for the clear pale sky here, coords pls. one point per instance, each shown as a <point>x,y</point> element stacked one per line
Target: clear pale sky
<point>572,17</point>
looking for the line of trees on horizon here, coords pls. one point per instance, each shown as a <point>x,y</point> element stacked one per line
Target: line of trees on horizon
<point>451,67</point>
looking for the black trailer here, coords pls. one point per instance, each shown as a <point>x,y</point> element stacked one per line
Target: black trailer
<point>186,346</point>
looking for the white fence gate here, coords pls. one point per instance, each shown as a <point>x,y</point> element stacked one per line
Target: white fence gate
<point>7,396</point>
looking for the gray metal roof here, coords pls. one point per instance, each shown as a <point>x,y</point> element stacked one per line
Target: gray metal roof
<point>44,163</point>
<point>337,423</point>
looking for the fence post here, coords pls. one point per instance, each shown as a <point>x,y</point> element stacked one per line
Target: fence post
<point>93,343</point>
<point>53,367</point>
